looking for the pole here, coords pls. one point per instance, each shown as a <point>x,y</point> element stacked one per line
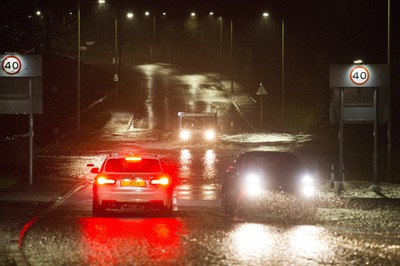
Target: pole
<point>231,56</point>
<point>341,164</point>
<point>78,127</point>
<point>389,129</point>
<point>116,58</point>
<point>154,37</point>
<point>283,74</point>
<point>375,157</point>
<point>261,112</point>
<point>220,48</point>
<point>30,133</point>
<point>201,36</point>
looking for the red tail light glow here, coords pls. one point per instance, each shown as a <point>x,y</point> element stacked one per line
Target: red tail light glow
<point>163,180</point>
<point>101,180</point>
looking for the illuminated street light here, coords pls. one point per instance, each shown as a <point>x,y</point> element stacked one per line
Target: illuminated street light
<point>129,15</point>
<point>193,14</point>
<point>358,61</point>
<point>265,14</point>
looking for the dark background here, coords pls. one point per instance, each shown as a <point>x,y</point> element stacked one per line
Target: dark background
<point>317,35</point>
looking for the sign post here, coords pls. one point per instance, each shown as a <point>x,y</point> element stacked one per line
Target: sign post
<point>261,91</point>
<point>371,82</point>
<point>23,66</point>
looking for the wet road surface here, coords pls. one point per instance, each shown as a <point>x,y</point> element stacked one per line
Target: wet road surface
<point>196,233</point>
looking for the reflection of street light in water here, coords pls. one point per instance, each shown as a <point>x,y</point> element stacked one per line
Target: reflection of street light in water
<point>185,162</point>
<point>209,190</point>
<point>184,191</point>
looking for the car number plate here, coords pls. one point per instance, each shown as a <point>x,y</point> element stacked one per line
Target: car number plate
<point>132,183</point>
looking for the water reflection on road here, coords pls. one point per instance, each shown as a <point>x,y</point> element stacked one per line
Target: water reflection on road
<point>197,173</point>
<point>182,239</point>
<point>300,245</point>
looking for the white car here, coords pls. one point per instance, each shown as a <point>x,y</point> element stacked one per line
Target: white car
<point>132,182</point>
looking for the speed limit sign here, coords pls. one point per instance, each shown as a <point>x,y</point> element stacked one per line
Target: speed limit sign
<point>359,75</point>
<point>20,66</point>
<point>11,65</point>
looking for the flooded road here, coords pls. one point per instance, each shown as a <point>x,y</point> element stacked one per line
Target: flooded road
<point>279,232</point>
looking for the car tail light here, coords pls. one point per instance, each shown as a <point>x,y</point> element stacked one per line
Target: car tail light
<point>101,180</point>
<point>162,180</point>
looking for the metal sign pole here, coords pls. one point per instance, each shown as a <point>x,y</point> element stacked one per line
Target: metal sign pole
<point>261,112</point>
<point>30,133</point>
<point>375,157</point>
<point>341,174</point>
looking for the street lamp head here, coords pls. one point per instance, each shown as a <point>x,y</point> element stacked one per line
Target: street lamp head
<point>358,61</point>
<point>101,2</point>
<point>129,15</point>
<point>147,13</point>
<point>211,13</point>
<point>193,14</point>
<point>265,14</point>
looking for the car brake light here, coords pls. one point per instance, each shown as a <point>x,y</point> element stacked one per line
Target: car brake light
<point>133,159</point>
<point>103,180</point>
<point>160,181</point>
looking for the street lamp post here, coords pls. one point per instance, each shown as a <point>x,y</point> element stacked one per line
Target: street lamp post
<point>265,15</point>
<point>231,55</point>
<point>283,73</point>
<point>220,48</point>
<point>78,126</point>
<point>116,61</point>
<point>153,41</point>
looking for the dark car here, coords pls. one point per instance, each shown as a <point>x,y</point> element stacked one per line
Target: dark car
<point>259,173</point>
<point>135,182</point>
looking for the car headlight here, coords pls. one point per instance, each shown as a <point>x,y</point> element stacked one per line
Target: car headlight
<point>252,185</point>
<point>307,186</point>
<point>307,179</point>
<point>185,134</point>
<point>209,134</point>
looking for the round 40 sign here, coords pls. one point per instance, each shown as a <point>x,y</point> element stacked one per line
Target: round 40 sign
<point>11,65</point>
<point>359,75</point>
<point>21,66</point>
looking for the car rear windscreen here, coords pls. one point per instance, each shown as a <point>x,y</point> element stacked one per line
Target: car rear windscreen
<point>141,166</point>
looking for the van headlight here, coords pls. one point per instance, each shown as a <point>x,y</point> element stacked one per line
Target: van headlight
<point>209,134</point>
<point>185,134</point>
